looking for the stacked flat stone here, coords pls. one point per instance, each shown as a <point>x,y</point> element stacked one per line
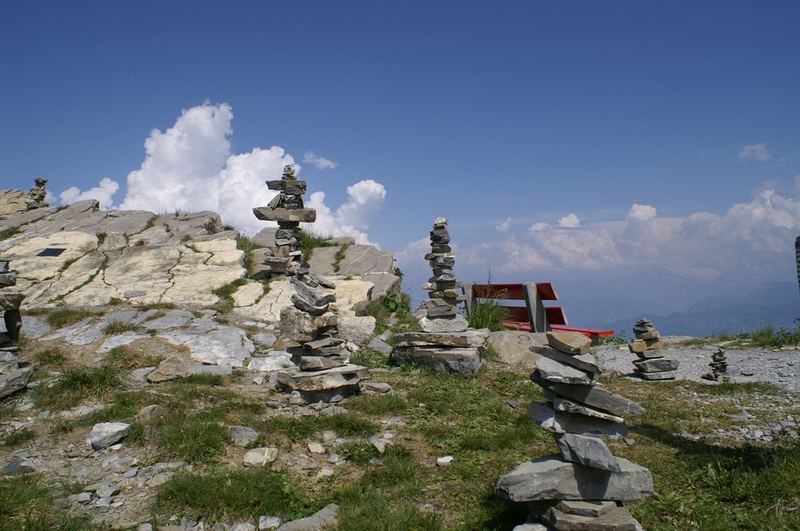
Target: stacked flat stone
<point>13,377</point>
<point>445,344</point>
<point>310,331</point>
<point>718,365</point>
<point>585,486</point>
<point>288,210</point>
<point>37,195</point>
<point>648,346</point>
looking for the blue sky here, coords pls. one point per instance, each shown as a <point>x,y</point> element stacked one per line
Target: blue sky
<point>476,111</point>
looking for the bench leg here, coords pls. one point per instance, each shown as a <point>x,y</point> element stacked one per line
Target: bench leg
<point>536,313</point>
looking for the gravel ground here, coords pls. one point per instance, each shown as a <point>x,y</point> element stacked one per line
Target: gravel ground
<point>781,366</point>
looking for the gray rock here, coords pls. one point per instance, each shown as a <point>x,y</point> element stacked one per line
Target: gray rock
<point>107,433</point>
<point>379,345</point>
<point>568,406</point>
<point>667,375</point>
<point>555,372</point>
<point>358,329</point>
<point>151,413</point>
<point>560,422</point>
<point>275,360</point>
<point>14,381</point>
<point>170,369</point>
<point>325,385</point>
<point>587,451</point>
<point>463,361</point>
<point>569,342</point>
<point>594,396</point>
<point>617,519</point>
<point>586,508</point>
<point>584,362</point>
<point>18,466</point>
<point>242,435</point>
<point>376,387</point>
<point>466,339</point>
<point>259,456</point>
<point>326,518</point>
<point>269,522</point>
<point>552,478</point>
<point>656,365</point>
<point>456,324</point>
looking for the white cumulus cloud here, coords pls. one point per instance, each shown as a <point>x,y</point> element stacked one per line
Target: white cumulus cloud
<point>570,221</point>
<point>755,151</point>
<point>309,157</point>
<point>190,167</point>
<point>103,193</point>
<point>503,226</point>
<point>641,212</point>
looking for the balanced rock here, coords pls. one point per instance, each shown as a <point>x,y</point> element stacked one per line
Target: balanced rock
<point>569,342</point>
<point>587,451</point>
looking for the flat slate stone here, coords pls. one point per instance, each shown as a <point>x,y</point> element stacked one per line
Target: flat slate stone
<point>560,422</point>
<point>552,478</point>
<point>587,451</point>
<point>555,372</point>
<point>586,508</point>
<point>569,342</point>
<point>468,338</point>
<point>584,362</point>
<point>456,324</point>
<point>656,365</point>
<point>568,406</point>
<point>594,396</point>
<point>326,384</point>
<point>464,361</point>
<point>667,375</point>
<point>618,519</point>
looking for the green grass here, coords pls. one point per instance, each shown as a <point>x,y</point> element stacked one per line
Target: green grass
<point>339,256</point>
<point>18,437</point>
<point>77,384</point>
<point>158,306</point>
<point>61,317</point>
<point>387,404</point>
<point>381,311</point>
<point>489,315</point>
<point>203,379</point>
<point>227,495</point>
<point>366,357</point>
<point>114,328</point>
<point>193,438</point>
<point>50,356</point>
<point>123,358</point>
<point>225,294</point>
<point>9,233</point>
<point>300,428</point>
<point>247,246</point>
<point>310,241</point>
<point>767,336</point>
<point>26,502</point>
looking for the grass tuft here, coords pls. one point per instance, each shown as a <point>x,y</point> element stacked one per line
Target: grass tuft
<point>18,437</point>
<point>76,384</point>
<point>245,244</point>
<point>310,241</point>
<point>62,317</point>
<point>488,314</point>
<point>119,327</point>
<point>225,294</point>
<point>9,233</point>
<point>50,356</point>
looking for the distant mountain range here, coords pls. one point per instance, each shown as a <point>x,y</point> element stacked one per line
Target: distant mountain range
<point>776,304</point>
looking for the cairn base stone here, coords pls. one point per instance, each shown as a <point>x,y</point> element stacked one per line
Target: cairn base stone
<point>656,365</point>
<point>464,361</point>
<point>325,384</point>
<point>586,508</point>
<point>552,478</point>
<point>618,519</point>
<point>668,375</point>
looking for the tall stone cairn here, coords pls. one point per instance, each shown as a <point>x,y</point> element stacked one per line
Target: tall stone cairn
<point>585,486</point>
<point>718,365</point>
<point>37,194</point>
<point>649,348</point>
<point>288,210</point>
<point>445,343</point>
<point>13,377</point>
<point>310,326</point>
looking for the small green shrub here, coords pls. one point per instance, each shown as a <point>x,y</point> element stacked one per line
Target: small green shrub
<point>225,294</point>
<point>310,241</point>
<point>26,502</point>
<point>50,356</point>
<point>339,256</point>
<point>18,437</point>
<point>193,438</point>
<point>488,315</point>
<point>76,384</point>
<point>9,233</point>
<point>247,246</point>
<point>114,328</point>
<point>61,317</point>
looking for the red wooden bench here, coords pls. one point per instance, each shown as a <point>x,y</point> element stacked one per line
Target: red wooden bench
<point>534,316</point>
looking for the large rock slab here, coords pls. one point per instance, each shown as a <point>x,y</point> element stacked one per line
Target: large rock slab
<point>656,365</point>
<point>324,519</point>
<point>514,347</point>
<point>463,361</point>
<point>594,396</point>
<point>552,478</point>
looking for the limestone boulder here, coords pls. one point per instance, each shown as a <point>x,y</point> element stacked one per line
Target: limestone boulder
<point>514,347</point>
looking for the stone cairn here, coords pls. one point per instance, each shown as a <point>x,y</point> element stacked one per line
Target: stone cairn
<point>648,346</point>
<point>37,194</point>
<point>288,210</point>
<point>718,365</point>
<point>13,377</point>
<point>445,343</point>
<point>585,486</point>
<point>309,326</point>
